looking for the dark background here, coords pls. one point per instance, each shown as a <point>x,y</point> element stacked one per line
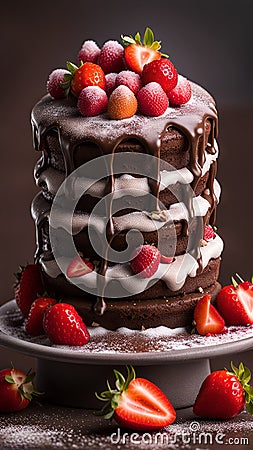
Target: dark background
<point>209,42</point>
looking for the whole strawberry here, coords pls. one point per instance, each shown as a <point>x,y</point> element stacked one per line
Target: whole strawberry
<point>111,57</point>
<point>130,79</point>
<point>122,103</point>
<point>224,394</point>
<point>56,86</point>
<point>136,403</point>
<point>16,390</point>
<point>181,93</point>
<point>92,101</point>
<point>152,100</point>
<point>64,326</point>
<point>162,72</point>
<point>28,287</point>
<point>235,303</point>
<point>145,260</point>
<point>87,74</point>
<point>34,324</point>
<point>89,52</point>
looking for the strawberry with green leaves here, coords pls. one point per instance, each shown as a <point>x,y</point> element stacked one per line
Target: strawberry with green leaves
<point>137,54</point>
<point>16,390</point>
<point>224,394</point>
<point>136,403</point>
<point>78,78</point>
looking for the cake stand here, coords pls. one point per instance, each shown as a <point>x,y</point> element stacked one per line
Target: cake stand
<point>173,359</point>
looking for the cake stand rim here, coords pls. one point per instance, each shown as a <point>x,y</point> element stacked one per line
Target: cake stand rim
<point>69,355</point>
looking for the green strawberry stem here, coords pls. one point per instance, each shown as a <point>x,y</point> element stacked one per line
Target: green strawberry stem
<point>244,376</point>
<point>112,396</point>
<point>148,40</point>
<point>234,282</point>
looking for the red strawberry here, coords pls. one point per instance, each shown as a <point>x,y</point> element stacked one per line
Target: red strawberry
<point>122,103</point>
<point>55,81</point>
<point>92,101</point>
<point>16,390</point>
<point>209,233</point>
<point>79,266</point>
<point>28,287</point>
<point>207,318</point>
<point>181,93</point>
<point>162,72</point>
<point>235,303</point>
<point>152,100</point>
<point>167,259</point>
<point>89,52</point>
<point>88,74</point>
<point>224,394</point>
<point>34,324</point>
<point>145,260</point>
<point>64,326</point>
<point>110,82</point>
<point>136,403</point>
<point>111,57</point>
<point>138,54</point>
<point>130,79</point>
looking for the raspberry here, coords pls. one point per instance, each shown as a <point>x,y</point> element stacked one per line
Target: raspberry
<point>181,93</point>
<point>162,71</point>
<point>92,101</point>
<point>130,79</point>
<point>152,100</point>
<point>145,260</point>
<point>89,52</point>
<point>122,103</point>
<point>111,57</point>
<point>55,79</point>
<point>110,82</point>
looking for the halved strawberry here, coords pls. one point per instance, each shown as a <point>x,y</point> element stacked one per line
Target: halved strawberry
<point>167,259</point>
<point>207,318</point>
<point>235,303</point>
<point>79,266</point>
<point>137,403</point>
<point>137,54</point>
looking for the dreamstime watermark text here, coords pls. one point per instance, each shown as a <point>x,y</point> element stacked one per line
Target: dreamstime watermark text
<point>193,435</point>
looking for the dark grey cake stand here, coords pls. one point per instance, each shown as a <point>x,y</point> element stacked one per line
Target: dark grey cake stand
<point>71,377</point>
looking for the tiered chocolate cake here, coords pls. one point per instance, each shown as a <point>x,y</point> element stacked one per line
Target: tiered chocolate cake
<point>125,184</point>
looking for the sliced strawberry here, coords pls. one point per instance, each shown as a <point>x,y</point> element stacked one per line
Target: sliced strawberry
<point>137,403</point>
<point>34,324</point>
<point>223,394</point>
<point>28,287</point>
<point>167,259</point>
<point>137,54</point>
<point>207,318</point>
<point>235,303</point>
<point>79,266</point>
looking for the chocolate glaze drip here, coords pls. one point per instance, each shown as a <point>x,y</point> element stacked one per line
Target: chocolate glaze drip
<point>73,130</point>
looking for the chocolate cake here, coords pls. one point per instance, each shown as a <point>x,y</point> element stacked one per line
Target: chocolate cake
<point>110,186</point>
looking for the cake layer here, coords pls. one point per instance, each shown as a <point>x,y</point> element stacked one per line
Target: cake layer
<point>172,312</point>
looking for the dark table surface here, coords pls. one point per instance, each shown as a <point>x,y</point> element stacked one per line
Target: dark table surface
<point>44,426</point>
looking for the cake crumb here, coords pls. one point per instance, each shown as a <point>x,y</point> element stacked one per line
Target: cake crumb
<point>200,289</point>
<point>95,324</point>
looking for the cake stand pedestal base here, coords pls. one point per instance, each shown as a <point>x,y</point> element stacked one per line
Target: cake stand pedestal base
<point>75,384</point>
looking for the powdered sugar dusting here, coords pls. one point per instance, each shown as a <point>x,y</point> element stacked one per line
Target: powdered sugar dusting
<point>126,341</point>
